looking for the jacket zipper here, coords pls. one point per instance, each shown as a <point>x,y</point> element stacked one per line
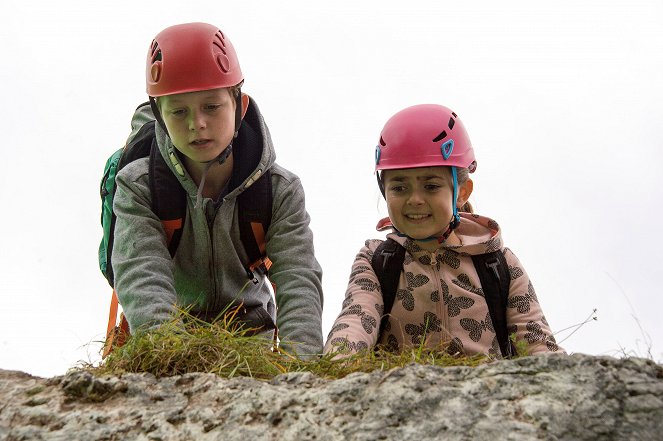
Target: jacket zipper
<point>214,306</point>
<point>441,313</point>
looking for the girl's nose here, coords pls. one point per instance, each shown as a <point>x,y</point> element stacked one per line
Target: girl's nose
<point>415,198</point>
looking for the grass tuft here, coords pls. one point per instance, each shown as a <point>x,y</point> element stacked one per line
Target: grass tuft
<point>187,345</point>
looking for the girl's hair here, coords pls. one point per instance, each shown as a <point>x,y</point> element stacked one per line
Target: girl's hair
<point>463,175</point>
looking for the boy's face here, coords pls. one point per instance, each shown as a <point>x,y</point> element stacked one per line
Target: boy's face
<point>200,124</point>
<point>419,200</point>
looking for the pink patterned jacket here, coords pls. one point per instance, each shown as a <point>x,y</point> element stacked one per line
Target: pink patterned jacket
<point>439,300</point>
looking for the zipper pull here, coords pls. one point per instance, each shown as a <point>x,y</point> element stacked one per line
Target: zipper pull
<point>493,264</point>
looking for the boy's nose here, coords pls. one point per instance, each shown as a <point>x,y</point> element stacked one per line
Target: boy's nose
<point>197,121</point>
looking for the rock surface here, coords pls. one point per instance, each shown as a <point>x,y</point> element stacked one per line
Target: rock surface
<point>552,397</point>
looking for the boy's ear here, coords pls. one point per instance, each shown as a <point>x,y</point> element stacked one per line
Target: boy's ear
<point>245,104</point>
<point>464,192</point>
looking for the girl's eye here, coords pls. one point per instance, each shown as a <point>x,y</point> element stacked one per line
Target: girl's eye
<point>397,188</point>
<point>432,187</point>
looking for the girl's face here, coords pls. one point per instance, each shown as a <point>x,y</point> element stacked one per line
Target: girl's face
<point>200,124</point>
<point>419,200</point>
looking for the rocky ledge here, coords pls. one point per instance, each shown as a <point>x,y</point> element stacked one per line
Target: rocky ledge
<point>553,397</point>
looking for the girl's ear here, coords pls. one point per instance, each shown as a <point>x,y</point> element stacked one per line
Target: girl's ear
<point>464,192</point>
<point>245,104</point>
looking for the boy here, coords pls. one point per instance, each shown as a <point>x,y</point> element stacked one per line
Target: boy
<point>215,142</point>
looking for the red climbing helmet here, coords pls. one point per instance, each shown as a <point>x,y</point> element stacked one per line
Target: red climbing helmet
<point>424,135</point>
<point>191,57</point>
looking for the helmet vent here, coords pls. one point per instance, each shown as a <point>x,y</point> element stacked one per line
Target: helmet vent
<point>382,143</point>
<point>155,52</point>
<point>441,136</point>
<point>451,123</point>
<point>219,42</point>
<point>155,57</point>
<point>221,58</point>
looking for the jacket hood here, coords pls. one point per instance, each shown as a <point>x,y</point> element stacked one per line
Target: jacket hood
<point>253,153</point>
<point>478,235</point>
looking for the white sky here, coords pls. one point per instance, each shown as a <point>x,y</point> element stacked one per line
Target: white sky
<point>562,101</point>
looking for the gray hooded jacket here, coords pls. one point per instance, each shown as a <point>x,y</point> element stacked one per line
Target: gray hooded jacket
<point>208,271</point>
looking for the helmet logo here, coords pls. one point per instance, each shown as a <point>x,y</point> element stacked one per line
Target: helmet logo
<point>447,148</point>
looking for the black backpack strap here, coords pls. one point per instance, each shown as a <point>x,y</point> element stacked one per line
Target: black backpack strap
<point>495,279</point>
<point>387,263</point>
<point>168,197</point>
<point>254,206</point>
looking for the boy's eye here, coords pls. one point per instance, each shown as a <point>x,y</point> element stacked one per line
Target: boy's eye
<point>432,187</point>
<point>396,188</point>
<point>212,107</point>
<point>177,112</point>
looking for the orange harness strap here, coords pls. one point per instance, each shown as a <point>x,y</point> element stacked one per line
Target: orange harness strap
<point>116,335</point>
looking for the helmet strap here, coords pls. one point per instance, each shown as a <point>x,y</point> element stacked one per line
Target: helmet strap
<point>157,114</point>
<point>238,111</point>
<point>452,226</point>
<point>378,175</point>
<point>455,220</point>
<point>456,217</point>
<point>224,154</point>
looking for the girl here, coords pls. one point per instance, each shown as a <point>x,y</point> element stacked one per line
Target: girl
<point>423,163</point>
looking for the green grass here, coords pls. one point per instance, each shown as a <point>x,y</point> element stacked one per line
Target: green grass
<point>188,345</point>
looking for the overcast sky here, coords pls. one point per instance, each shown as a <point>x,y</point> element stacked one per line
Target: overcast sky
<point>562,101</point>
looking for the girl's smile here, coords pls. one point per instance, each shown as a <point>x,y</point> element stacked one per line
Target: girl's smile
<point>418,218</point>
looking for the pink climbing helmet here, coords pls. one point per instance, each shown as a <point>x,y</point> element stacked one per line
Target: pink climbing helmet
<point>425,135</point>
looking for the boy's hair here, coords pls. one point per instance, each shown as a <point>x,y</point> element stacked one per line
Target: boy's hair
<point>234,91</point>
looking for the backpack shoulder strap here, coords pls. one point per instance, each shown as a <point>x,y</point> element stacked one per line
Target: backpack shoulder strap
<point>495,278</point>
<point>254,204</point>
<point>255,216</point>
<point>168,197</point>
<point>387,263</point>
